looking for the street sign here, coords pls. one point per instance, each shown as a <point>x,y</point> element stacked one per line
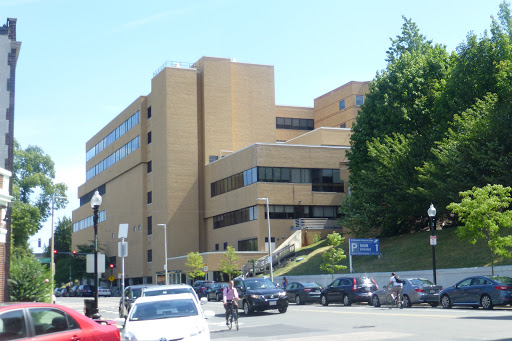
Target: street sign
<point>433,240</point>
<point>205,268</point>
<point>111,278</point>
<point>43,260</point>
<point>122,249</point>
<point>364,247</point>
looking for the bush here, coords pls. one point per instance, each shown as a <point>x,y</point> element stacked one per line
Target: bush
<point>28,280</point>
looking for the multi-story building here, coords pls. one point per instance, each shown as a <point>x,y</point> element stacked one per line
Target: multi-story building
<point>198,152</point>
<point>9,51</point>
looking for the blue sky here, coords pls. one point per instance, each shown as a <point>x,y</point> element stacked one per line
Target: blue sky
<point>82,62</point>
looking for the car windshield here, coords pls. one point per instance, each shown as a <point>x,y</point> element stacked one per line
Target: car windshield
<point>311,285</point>
<point>421,282</point>
<point>503,279</point>
<point>166,291</point>
<point>260,283</point>
<point>163,309</point>
<point>136,292</point>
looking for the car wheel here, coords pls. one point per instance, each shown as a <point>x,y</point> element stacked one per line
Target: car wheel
<point>247,309</point>
<point>434,304</point>
<point>446,302</point>
<point>219,297</point>
<point>283,309</point>
<point>298,301</point>
<point>324,301</point>
<point>375,301</point>
<point>407,301</point>
<point>346,301</point>
<point>486,302</point>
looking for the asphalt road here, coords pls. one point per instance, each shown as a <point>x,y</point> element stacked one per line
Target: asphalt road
<point>358,322</point>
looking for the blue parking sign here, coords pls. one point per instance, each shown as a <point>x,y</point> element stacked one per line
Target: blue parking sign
<point>364,247</point>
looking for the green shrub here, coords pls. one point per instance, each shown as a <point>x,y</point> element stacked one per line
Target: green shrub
<point>28,280</point>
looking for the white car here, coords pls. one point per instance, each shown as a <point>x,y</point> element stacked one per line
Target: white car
<point>102,291</point>
<point>166,317</point>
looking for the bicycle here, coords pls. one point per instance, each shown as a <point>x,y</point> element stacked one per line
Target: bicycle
<point>233,315</point>
<point>393,301</point>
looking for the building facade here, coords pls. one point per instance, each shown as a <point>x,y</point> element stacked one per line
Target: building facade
<point>196,154</point>
<point>9,51</point>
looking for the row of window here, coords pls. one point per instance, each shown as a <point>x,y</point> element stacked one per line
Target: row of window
<point>295,123</point>
<point>322,180</point>
<point>87,222</point>
<point>359,102</point>
<point>248,245</point>
<point>302,211</point>
<point>235,217</point>
<point>114,135</point>
<point>113,158</point>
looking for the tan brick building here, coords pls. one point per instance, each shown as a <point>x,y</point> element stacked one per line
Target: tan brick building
<point>196,154</point>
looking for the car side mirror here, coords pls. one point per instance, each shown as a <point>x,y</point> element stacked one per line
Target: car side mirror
<point>203,300</point>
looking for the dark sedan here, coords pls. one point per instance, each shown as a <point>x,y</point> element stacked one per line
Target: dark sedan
<point>215,292</point>
<point>479,291</point>
<point>259,294</point>
<point>347,290</point>
<point>302,292</point>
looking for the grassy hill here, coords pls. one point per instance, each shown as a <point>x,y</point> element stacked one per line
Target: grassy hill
<point>400,253</point>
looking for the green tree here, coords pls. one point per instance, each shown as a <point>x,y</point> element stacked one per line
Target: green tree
<point>28,280</point>
<point>195,265</point>
<point>394,131</point>
<point>332,258</point>
<point>484,211</point>
<point>33,188</point>
<point>229,265</point>
<point>63,262</point>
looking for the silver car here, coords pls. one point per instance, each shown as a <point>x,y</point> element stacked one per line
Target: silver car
<point>414,291</point>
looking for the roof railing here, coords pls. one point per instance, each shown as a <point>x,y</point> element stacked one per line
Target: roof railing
<point>176,64</point>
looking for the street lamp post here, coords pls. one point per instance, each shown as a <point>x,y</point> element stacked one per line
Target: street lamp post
<point>432,215</point>
<point>269,241</point>
<point>52,254</point>
<point>165,246</point>
<point>95,204</point>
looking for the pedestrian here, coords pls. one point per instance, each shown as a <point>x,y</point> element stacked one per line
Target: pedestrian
<point>285,283</point>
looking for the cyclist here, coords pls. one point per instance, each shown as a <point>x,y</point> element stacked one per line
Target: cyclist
<point>230,296</point>
<point>396,288</point>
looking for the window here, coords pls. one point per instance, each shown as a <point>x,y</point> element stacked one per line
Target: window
<point>248,245</point>
<point>150,256</point>
<point>150,198</point>
<point>295,123</point>
<point>225,245</point>
<point>150,166</point>
<point>216,247</point>
<point>343,125</point>
<point>51,320</point>
<point>342,104</point>
<point>359,100</point>
<point>150,225</point>
<point>149,137</point>
<point>235,217</point>
<point>13,325</point>
<point>149,113</point>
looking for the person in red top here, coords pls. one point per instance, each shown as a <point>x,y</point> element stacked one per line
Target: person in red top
<point>230,294</point>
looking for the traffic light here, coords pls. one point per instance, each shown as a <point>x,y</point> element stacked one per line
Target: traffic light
<point>74,252</point>
<point>55,251</point>
<point>111,265</point>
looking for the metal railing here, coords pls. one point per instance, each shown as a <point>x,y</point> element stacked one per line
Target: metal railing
<point>261,265</point>
<point>310,223</point>
<point>171,63</point>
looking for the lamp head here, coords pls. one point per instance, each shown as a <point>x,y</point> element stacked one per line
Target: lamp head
<point>96,199</point>
<point>431,211</point>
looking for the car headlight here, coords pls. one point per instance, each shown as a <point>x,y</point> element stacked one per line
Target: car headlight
<point>255,296</point>
<point>282,294</point>
<point>128,336</point>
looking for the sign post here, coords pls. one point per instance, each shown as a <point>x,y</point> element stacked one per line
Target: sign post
<point>122,252</point>
<point>363,247</point>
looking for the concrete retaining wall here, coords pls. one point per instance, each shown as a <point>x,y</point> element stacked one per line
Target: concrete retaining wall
<point>445,277</point>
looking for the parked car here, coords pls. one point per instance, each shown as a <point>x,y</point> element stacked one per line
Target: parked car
<point>215,292</point>
<point>131,293</point>
<point>166,317</point>
<point>348,290</point>
<point>414,291</point>
<point>64,292</point>
<point>85,290</point>
<point>201,287</point>
<point>73,292</point>
<point>103,291</point>
<point>171,289</point>
<point>476,291</point>
<point>43,321</point>
<point>260,294</point>
<point>57,292</point>
<point>302,292</point>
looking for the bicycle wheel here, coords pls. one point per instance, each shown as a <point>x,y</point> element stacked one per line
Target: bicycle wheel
<point>230,320</point>
<point>236,319</point>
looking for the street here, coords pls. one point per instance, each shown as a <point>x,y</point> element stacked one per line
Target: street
<point>336,322</point>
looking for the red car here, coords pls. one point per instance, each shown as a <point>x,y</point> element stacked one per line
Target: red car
<point>52,322</point>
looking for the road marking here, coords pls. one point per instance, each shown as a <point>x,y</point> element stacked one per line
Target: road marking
<point>359,336</point>
<point>385,314</point>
